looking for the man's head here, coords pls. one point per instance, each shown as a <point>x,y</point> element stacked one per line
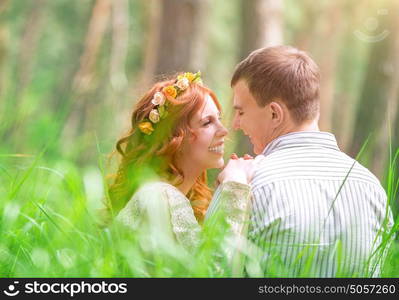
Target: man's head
<point>276,91</point>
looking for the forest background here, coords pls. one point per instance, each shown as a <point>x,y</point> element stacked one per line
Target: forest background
<point>71,71</point>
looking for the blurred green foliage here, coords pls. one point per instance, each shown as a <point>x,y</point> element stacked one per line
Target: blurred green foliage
<point>51,177</point>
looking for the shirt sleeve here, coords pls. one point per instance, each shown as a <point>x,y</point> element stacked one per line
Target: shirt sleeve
<point>184,224</point>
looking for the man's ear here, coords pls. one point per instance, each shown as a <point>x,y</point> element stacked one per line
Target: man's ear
<point>278,113</point>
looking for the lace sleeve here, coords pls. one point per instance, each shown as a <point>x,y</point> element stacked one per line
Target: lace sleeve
<point>233,200</point>
<point>184,224</point>
<point>231,204</point>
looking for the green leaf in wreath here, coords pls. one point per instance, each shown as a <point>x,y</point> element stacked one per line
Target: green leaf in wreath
<point>162,111</point>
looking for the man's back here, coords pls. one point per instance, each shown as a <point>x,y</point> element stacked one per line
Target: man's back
<point>316,211</point>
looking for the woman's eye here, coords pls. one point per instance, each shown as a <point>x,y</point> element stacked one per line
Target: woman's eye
<point>207,123</point>
<point>240,113</point>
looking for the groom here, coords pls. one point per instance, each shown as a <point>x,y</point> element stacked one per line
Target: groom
<point>316,211</point>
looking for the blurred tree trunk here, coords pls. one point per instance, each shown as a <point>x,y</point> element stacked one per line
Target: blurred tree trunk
<point>352,69</point>
<point>176,30</point>
<point>120,42</point>
<point>176,38</point>
<point>151,43</point>
<point>387,128</point>
<point>31,33</point>
<point>29,42</point>
<point>181,26</point>
<point>327,59</point>
<point>5,122</point>
<point>85,81</point>
<point>304,31</point>
<point>3,44</point>
<point>262,26</point>
<point>345,102</point>
<point>379,94</point>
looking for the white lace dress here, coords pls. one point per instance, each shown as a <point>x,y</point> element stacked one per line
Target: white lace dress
<point>164,208</point>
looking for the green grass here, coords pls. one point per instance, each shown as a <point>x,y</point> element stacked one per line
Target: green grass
<point>48,228</point>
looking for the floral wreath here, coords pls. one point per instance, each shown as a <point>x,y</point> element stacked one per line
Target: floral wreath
<point>159,111</point>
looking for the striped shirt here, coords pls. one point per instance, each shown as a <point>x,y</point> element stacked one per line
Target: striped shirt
<point>316,212</point>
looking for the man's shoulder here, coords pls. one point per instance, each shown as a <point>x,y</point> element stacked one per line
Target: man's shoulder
<point>368,175</point>
<point>302,164</point>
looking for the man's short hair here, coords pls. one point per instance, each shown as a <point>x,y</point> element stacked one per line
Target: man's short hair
<point>282,72</point>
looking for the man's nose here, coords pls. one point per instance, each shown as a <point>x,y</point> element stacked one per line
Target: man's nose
<point>236,123</point>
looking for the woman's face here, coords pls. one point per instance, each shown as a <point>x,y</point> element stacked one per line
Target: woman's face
<point>205,150</point>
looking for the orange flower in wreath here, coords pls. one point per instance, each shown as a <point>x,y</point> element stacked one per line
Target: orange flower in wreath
<point>170,91</point>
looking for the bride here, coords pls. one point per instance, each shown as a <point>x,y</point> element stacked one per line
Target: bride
<point>176,134</point>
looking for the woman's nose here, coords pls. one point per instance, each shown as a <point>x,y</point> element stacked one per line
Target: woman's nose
<point>223,131</point>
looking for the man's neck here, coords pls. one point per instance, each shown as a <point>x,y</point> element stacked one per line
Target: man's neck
<point>305,126</point>
<point>292,127</point>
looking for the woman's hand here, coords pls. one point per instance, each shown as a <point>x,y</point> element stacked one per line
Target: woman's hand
<point>238,169</point>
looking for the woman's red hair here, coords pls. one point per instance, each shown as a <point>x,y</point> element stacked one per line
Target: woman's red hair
<point>145,157</point>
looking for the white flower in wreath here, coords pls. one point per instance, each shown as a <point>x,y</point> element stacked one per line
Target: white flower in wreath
<point>183,83</point>
<point>158,99</point>
<point>154,116</point>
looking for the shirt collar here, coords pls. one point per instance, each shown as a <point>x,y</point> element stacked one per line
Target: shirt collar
<point>302,139</point>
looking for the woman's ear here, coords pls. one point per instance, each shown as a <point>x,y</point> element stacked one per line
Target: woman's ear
<point>277,112</point>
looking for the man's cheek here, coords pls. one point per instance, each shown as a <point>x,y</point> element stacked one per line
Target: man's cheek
<point>245,124</point>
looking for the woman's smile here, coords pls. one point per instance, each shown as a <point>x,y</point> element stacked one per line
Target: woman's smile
<point>218,149</point>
